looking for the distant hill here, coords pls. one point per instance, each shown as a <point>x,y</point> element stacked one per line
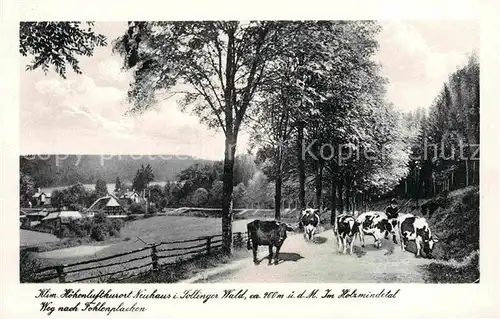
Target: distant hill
<point>58,170</point>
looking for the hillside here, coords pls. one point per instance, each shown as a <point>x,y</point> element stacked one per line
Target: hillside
<point>69,169</point>
<point>454,220</point>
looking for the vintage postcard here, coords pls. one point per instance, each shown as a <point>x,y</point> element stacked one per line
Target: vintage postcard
<point>292,166</point>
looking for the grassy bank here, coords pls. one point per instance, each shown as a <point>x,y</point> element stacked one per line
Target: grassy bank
<point>454,219</point>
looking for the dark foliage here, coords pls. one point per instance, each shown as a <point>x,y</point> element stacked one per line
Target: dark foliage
<point>58,44</point>
<point>97,228</point>
<point>28,265</point>
<point>45,172</point>
<point>443,273</point>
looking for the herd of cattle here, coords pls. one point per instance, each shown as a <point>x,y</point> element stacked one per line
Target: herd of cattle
<point>345,228</point>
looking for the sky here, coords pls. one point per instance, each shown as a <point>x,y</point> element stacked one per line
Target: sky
<point>84,114</point>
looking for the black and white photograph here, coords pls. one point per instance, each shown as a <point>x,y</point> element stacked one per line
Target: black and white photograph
<point>266,151</point>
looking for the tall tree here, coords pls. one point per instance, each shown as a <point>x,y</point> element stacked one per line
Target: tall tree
<point>118,185</point>
<point>26,188</point>
<point>101,188</point>
<point>317,82</point>
<point>220,63</point>
<point>58,44</point>
<point>143,177</point>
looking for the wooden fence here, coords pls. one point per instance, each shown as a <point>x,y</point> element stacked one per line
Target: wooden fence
<point>132,263</point>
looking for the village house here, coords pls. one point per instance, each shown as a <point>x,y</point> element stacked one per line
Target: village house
<point>132,197</point>
<point>108,205</point>
<point>40,198</point>
<point>32,217</point>
<point>62,217</point>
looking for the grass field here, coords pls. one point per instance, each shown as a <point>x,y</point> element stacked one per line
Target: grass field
<point>138,234</point>
<point>159,229</point>
<point>28,238</point>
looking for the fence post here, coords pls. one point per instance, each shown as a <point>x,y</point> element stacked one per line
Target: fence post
<point>238,240</point>
<point>60,273</point>
<point>154,257</point>
<point>209,240</point>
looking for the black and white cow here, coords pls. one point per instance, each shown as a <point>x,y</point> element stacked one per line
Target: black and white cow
<point>416,229</point>
<point>266,233</point>
<point>310,220</point>
<point>375,224</point>
<point>345,229</point>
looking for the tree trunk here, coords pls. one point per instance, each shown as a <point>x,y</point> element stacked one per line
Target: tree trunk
<point>433,186</point>
<point>341,198</point>
<point>333,202</point>
<point>319,184</point>
<point>473,172</point>
<point>227,192</point>
<point>301,166</point>
<point>278,182</point>
<point>277,197</point>
<point>466,173</point>
<point>416,184</point>
<point>354,203</point>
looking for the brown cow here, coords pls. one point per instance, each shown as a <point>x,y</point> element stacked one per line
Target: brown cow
<point>266,233</point>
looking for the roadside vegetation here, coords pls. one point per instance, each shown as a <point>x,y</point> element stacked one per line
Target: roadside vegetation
<point>455,221</point>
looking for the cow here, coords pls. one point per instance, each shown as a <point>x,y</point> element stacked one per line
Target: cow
<point>310,220</point>
<point>266,233</point>
<point>345,229</point>
<point>376,224</point>
<point>416,229</point>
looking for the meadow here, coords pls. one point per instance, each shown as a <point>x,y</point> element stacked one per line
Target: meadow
<point>29,237</point>
<point>136,235</point>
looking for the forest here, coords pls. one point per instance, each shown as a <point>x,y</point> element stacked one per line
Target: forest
<point>66,170</point>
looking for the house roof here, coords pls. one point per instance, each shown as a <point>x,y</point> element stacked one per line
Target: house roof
<point>130,194</point>
<point>53,215</point>
<point>63,214</point>
<point>106,201</point>
<point>38,194</point>
<point>38,213</point>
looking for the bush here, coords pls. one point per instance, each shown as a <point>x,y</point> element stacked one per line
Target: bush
<point>28,265</point>
<point>75,229</point>
<point>450,273</point>
<point>457,226</point>
<point>136,208</point>
<point>152,210</point>
<point>97,233</point>
<point>97,228</point>
<point>200,197</point>
<point>100,218</point>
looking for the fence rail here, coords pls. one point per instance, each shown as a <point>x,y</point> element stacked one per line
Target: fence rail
<point>153,254</point>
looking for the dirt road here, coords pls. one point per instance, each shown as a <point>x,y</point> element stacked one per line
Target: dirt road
<point>320,262</point>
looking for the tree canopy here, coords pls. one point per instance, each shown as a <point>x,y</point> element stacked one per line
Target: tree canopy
<point>58,44</point>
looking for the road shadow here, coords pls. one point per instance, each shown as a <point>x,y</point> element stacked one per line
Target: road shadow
<point>356,250</point>
<point>319,240</point>
<point>371,247</point>
<point>283,257</point>
<point>359,252</point>
<point>387,246</point>
<point>390,249</point>
<point>290,257</point>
